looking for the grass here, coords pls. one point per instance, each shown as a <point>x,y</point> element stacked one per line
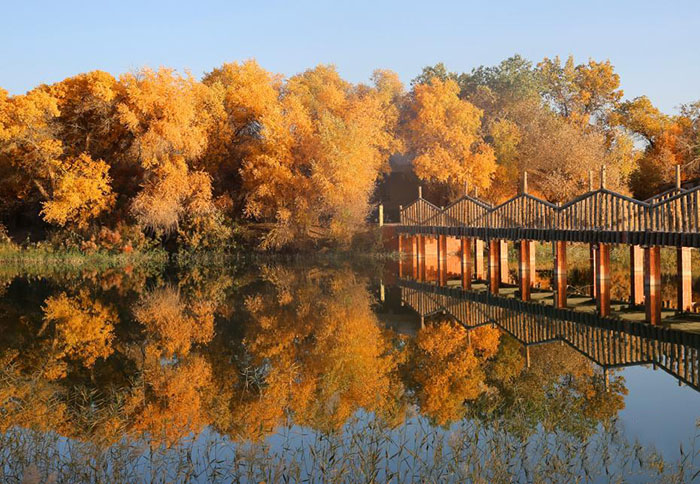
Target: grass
<point>42,260</point>
<point>366,450</point>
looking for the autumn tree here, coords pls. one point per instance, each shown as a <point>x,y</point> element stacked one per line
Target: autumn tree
<point>580,92</point>
<point>72,187</point>
<point>318,169</point>
<point>443,134</point>
<point>161,112</point>
<point>445,368</point>
<point>668,140</point>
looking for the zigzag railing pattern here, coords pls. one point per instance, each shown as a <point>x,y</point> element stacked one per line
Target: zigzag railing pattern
<point>671,218</point>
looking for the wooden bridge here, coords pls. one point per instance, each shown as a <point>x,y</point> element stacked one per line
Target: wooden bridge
<point>599,217</point>
<point>609,342</point>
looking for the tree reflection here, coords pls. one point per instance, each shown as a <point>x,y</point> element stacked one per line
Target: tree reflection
<point>247,355</point>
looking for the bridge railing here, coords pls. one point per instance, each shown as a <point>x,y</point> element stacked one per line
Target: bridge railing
<point>674,211</point>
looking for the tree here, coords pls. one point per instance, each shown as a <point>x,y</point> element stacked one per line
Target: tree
<point>445,368</point>
<point>84,328</point>
<point>82,193</point>
<point>443,133</point>
<point>316,174</point>
<point>670,141</point>
<point>580,92</point>
<point>246,120</point>
<point>161,111</point>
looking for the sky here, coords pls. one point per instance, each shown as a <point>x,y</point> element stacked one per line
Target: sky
<point>654,46</point>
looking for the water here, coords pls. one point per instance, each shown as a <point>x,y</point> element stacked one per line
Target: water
<point>282,372</point>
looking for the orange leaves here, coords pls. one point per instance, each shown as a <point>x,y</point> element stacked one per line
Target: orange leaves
<point>173,327</point>
<point>160,110</point>
<point>443,132</point>
<point>82,192</point>
<point>331,142</point>
<point>580,91</point>
<point>84,327</point>
<point>447,368</point>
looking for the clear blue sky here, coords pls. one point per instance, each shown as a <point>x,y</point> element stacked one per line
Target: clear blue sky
<point>655,46</point>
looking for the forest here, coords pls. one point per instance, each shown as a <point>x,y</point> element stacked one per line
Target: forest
<point>160,158</point>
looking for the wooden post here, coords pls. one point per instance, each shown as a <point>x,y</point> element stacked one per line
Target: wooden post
<point>381,214</point>
<point>533,262</point>
<point>466,254</point>
<point>636,275</point>
<point>416,256</point>
<point>400,239</point>
<point>678,177</point>
<point>504,270</point>
<point>594,270</point>
<point>603,280</point>
<point>479,260</point>
<point>421,251</point>
<point>442,259</point>
<point>420,192</point>
<point>685,279</point>
<point>560,283</point>
<point>525,182</point>
<point>652,284</point>
<point>494,256</point>
<point>524,276</point>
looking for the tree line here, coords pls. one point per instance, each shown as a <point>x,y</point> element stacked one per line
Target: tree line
<point>157,155</point>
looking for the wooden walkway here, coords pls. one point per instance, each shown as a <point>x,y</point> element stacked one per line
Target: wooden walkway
<point>609,342</point>
<point>600,218</point>
<point>671,218</point>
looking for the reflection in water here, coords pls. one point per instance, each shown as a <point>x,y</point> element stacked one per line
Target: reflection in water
<point>299,373</point>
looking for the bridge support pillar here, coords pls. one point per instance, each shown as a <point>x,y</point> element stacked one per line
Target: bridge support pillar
<point>684,278</point>
<point>524,275</point>
<point>603,279</point>
<point>594,270</point>
<point>401,253</point>
<point>560,282</point>
<point>466,259</point>
<point>494,259</point>
<point>421,258</point>
<point>504,270</point>
<point>636,275</point>
<point>533,261</point>
<point>414,257</point>
<point>479,260</point>
<point>652,284</point>
<point>442,259</point>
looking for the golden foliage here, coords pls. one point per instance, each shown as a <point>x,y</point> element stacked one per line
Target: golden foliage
<point>82,192</point>
<point>170,324</point>
<point>447,367</point>
<point>84,327</point>
<point>443,132</point>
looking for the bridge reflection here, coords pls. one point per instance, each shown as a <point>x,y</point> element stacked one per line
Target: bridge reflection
<point>609,342</point>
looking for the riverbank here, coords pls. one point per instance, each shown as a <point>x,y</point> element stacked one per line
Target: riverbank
<point>42,258</point>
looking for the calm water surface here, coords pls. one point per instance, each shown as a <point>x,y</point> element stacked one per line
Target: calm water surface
<point>338,372</point>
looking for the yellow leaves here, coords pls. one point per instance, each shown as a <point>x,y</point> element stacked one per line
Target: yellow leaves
<point>443,132</point>
<point>84,327</point>
<point>580,91</point>
<point>447,368</point>
<point>331,142</point>
<point>160,110</point>
<point>174,327</point>
<point>82,192</point>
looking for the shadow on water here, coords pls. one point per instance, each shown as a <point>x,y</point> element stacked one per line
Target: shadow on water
<point>282,372</point>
